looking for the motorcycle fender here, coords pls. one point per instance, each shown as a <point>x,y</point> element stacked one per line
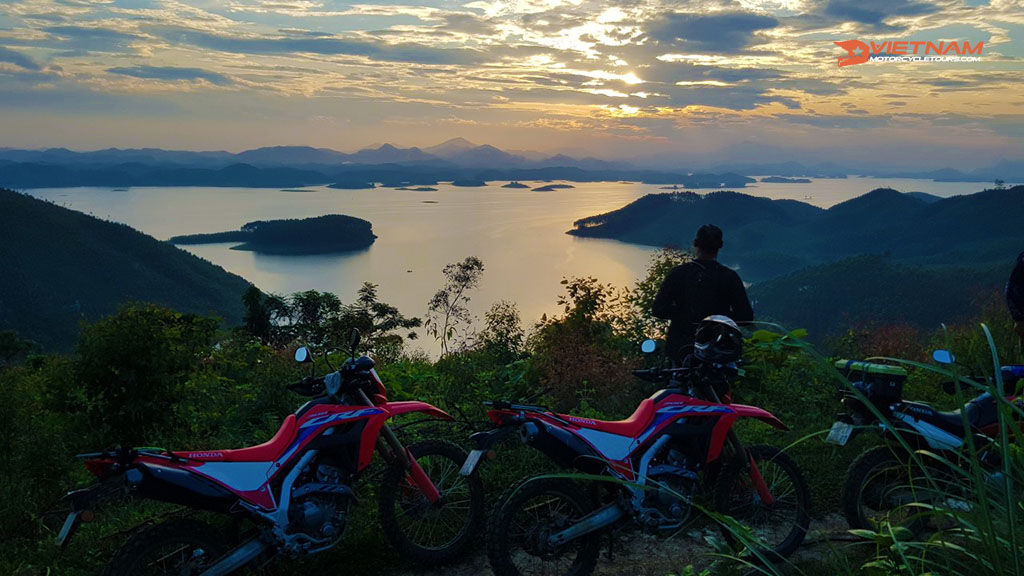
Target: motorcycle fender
<point>396,408</point>
<point>765,416</point>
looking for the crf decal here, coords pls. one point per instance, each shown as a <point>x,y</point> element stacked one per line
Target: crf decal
<point>685,409</point>
<point>319,420</point>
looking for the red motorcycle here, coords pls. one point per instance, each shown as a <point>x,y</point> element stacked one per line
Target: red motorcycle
<point>296,489</point>
<point>677,446</point>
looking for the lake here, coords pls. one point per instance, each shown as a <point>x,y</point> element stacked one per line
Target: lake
<point>519,234</point>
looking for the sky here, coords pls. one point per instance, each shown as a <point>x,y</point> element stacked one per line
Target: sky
<point>681,82</point>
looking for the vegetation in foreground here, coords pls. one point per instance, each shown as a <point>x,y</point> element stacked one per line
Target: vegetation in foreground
<point>151,375</point>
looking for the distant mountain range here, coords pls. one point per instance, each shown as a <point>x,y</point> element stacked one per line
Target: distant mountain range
<point>295,166</point>
<point>768,238</point>
<point>61,267</point>
<point>455,159</point>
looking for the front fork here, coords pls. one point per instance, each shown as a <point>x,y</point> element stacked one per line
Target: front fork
<point>760,486</point>
<point>393,451</point>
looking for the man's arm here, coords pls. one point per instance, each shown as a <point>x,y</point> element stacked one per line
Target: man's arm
<point>738,301</point>
<point>664,305</point>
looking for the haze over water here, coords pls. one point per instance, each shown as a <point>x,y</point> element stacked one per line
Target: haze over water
<point>519,234</point>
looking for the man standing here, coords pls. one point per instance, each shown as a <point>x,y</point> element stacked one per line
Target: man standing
<point>698,289</point>
<point>1015,296</point>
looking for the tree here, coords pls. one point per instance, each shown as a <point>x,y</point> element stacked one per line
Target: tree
<point>132,366</point>
<point>503,334</point>
<point>13,346</point>
<point>1000,184</point>
<point>447,311</point>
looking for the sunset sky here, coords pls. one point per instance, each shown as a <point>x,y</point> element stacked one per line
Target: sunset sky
<point>705,81</point>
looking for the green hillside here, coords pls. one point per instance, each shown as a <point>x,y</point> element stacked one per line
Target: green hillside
<point>873,290</point>
<point>769,238</point>
<point>60,267</point>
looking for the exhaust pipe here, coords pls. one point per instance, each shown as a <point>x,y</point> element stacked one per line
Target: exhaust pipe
<point>240,556</point>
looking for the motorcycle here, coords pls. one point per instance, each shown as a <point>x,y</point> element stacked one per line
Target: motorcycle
<point>678,445</point>
<point>883,480</point>
<point>296,488</point>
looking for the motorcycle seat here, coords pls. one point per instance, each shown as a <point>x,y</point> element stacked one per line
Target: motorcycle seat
<point>980,413</point>
<point>631,426</point>
<point>267,452</point>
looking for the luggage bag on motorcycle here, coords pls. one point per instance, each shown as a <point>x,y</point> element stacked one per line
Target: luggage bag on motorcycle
<point>881,383</point>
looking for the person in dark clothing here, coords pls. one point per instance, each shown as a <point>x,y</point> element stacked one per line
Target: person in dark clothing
<point>698,289</point>
<point>1015,296</point>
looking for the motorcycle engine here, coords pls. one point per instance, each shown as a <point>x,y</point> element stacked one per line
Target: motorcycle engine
<point>322,511</point>
<point>667,506</point>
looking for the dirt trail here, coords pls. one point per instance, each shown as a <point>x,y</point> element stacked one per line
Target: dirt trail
<point>639,554</point>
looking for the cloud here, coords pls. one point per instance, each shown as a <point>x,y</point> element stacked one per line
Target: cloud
<point>172,73</point>
<point>723,33</point>
<point>334,46</point>
<point>18,59</point>
<point>91,39</point>
<point>875,12</point>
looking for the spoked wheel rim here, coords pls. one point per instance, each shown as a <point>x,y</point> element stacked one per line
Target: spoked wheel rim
<point>773,522</point>
<point>435,525</point>
<point>887,495</point>
<point>184,558</point>
<point>776,526</point>
<point>528,529</point>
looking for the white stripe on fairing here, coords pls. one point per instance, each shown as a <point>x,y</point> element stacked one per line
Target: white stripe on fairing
<point>936,437</point>
<point>239,476</point>
<point>612,446</point>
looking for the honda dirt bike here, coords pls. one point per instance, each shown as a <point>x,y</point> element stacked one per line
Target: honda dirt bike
<point>297,488</point>
<point>882,481</point>
<point>679,444</point>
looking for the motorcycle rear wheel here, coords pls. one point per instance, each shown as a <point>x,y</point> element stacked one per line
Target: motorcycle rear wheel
<point>526,514</point>
<point>179,547</point>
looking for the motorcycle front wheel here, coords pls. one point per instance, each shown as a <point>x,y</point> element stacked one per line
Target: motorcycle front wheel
<point>432,533</point>
<point>179,547</point>
<point>775,529</point>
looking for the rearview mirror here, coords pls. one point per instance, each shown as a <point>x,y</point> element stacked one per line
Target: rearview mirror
<point>648,346</point>
<point>943,357</point>
<point>353,341</point>
<point>303,355</point>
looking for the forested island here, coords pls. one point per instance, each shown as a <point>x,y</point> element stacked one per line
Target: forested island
<point>552,187</point>
<point>321,235</point>
<point>514,184</point>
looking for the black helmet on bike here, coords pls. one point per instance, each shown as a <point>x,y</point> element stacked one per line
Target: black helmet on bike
<point>718,339</point>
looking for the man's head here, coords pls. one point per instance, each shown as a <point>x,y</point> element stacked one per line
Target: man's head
<point>708,241</point>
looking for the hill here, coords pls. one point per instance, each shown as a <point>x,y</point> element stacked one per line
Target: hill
<point>321,235</point>
<point>871,289</point>
<point>61,267</point>
<point>768,238</point>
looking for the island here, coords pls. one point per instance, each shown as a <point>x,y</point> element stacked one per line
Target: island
<point>352,185</point>
<point>514,184</point>
<point>783,180</point>
<point>551,187</point>
<point>328,234</point>
<point>672,187</point>
<point>418,189</point>
<point>469,183</point>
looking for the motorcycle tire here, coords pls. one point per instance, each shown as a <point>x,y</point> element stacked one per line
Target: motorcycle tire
<point>432,534</point>
<point>510,552</point>
<point>179,546</point>
<point>735,496</point>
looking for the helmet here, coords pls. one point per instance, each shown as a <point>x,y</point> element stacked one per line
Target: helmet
<point>718,339</point>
